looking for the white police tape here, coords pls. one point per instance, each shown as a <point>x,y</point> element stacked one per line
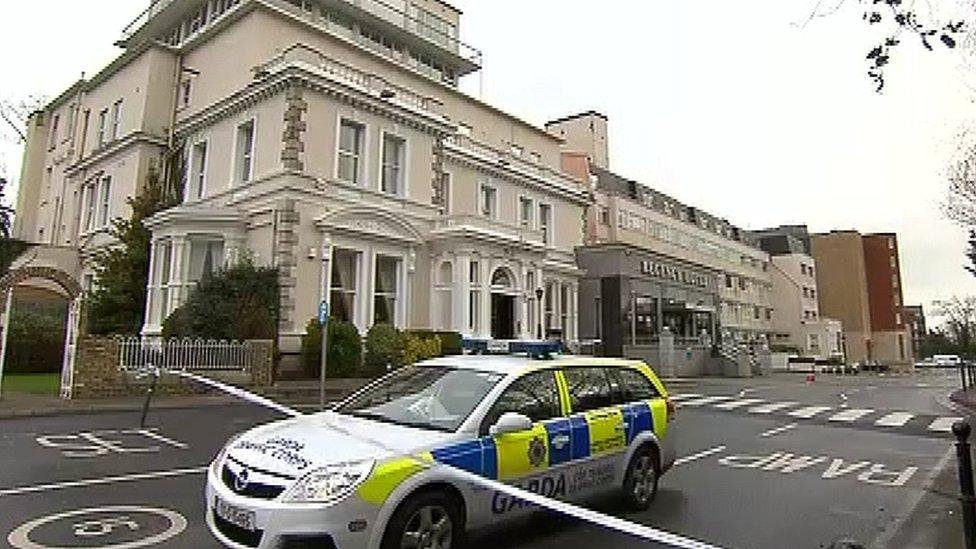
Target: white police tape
<point>600,519</point>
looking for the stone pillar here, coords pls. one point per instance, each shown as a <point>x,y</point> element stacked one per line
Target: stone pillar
<point>666,353</point>
<point>485,277</point>
<point>404,310</point>
<point>573,316</point>
<point>177,280</point>
<point>151,298</point>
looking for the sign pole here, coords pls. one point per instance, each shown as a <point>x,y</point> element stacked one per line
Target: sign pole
<point>324,324</point>
<point>6,334</point>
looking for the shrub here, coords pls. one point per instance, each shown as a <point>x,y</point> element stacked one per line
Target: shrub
<point>345,350</point>
<point>237,303</point>
<point>36,338</point>
<point>417,348</point>
<point>384,348</point>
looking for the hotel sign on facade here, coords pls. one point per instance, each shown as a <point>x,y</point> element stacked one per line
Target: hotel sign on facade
<point>665,271</point>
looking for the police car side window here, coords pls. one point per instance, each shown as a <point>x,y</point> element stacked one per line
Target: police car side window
<point>630,386</point>
<point>535,395</point>
<point>589,388</point>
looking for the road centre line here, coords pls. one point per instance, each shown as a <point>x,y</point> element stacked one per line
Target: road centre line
<point>699,455</point>
<point>99,481</point>
<point>778,430</point>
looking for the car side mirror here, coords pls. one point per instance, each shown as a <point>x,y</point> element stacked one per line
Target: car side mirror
<point>510,422</point>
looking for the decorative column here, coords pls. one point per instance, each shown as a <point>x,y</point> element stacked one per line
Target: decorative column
<point>460,291</point>
<point>484,327</point>
<point>176,278</point>
<point>151,298</point>
<point>573,321</point>
<point>525,301</point>
<point>411,269</point>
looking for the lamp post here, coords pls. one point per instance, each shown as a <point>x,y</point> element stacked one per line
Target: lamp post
<point>539,292</point>
<point>324,317</point>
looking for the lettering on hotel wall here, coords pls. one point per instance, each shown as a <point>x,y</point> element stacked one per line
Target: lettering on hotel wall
<point>672,272</point>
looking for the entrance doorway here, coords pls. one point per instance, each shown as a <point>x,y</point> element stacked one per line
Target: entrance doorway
<point>502,316</point>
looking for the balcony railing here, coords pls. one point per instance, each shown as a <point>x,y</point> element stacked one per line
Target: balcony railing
<point>396,15</point>
<point>485,225</point>
<point>373,84</point>
<point>515,162</point>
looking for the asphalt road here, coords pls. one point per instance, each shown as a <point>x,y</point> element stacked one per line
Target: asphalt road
<point>746,479</point>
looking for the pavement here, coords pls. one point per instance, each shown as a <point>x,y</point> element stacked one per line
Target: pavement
<point>743,479</point>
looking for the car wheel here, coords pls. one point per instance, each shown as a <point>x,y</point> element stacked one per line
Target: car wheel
<point>429,520</point>
<point>640,482</point>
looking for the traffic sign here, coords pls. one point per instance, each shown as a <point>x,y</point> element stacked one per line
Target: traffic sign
<point>323,312</point>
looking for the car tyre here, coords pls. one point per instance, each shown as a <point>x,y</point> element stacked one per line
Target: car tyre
<point>641,479</point>
<point>424,521</point>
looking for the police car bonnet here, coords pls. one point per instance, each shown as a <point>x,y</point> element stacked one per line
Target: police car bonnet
<point>296,446</point>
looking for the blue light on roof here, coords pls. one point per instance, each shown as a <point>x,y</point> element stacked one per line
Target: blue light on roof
<point>534,349</point>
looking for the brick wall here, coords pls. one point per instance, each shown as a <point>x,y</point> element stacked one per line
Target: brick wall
<point>97,373</point>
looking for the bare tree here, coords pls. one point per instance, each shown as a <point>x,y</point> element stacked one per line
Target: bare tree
<point>14,114</point>
<point>959,320</point>
<point>960,202</point>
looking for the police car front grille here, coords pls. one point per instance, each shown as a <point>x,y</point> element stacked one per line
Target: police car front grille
<point>254,490</point>
<point>233,532</point>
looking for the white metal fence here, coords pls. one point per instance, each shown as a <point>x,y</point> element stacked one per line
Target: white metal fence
<point>185,354</point>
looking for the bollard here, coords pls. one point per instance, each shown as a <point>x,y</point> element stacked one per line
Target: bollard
<point>149,395</point>
<point>961,429</point>
<point>962,374</point>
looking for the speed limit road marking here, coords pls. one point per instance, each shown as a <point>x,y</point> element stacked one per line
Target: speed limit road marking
<point>104,521</point>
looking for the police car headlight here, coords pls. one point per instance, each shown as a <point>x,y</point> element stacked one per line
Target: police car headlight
<point>329,483</point>
<point>219,458</point>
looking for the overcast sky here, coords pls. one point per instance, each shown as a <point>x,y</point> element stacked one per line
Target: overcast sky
<point>733,107</point>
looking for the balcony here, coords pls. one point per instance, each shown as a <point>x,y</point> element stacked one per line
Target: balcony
<point>480,226</point>
<point>537,171</point>
<point>300,55</point>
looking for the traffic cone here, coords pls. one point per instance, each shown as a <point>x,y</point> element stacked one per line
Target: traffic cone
<point>811,378</point>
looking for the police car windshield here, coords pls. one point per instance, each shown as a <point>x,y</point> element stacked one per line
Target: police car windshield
<point>428,397</point>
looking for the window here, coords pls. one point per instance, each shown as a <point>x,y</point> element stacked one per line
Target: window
<point>604,216</point>
<point>245,151</point>
<point>489,201</point>
<point>728,281</point>
<point>525,211</point>
<point>198,171</point>
<point>164,252</point>
<point>438,398</point>
<point>545,222</point>
<point>116,119</point>
<point>630,386</point>
<point>186,88</point>
<point>104,205</point>
<point>892,258</point>
<point>206,256</point>
<point>474,298</point>
<point>345,271</point>
<point>534,395</point>
<point>589,389</point>
<point>464,130</point>
<point>53,137</point>
<point>444,287</point>
<point>102,122</point>
<point>803,269</point>
<point>385,292</point>
<point>90,206</point>
<point>442,193</point>
<point>516,151</point>
<point>813,293</point>
<point>806,293</point>
<point>755,313</point>
<point>769,314</point>
<point>350,151</point>
<point>891,243</point>
<point>393,157</point>
<point>535,157</point>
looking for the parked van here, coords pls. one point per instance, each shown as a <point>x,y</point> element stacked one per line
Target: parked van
<point>946,361</point>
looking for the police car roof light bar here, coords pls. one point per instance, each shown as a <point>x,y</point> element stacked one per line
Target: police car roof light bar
<point>543,350</point>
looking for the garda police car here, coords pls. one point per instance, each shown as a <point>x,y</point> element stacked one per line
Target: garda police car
<point>368,473</point>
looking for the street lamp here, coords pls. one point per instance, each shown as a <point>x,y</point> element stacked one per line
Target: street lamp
<point>538,297</point>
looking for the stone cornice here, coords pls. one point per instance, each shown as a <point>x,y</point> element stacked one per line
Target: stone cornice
<point>113,148</point>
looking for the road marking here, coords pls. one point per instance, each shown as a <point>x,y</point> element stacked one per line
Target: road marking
<point>100,443</point>
<point>943,424</point>
<point>894,419</point>
<point>808,412</point>
<point>770,408</point>
<point>20,537</point>
<point>778,430</point>
<point>705,400</point>
<point>738,403</point>
<point>699,455</point>
<point>104,480</point>
<point>849,416</point>
<point>684,396</point>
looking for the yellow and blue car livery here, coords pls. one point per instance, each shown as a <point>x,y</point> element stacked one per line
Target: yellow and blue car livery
<point>574,455</point>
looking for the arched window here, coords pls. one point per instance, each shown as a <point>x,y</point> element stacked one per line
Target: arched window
<point>502,278</point>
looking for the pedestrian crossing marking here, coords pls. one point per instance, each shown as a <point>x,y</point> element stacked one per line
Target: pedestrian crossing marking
<point>850,415</point>
<point>738,403</point>
<point>894,419</point>
<point>943,424</point>
<point>770,408</point>
<point>808,412</point>
<point>705,400</point>
<point>684,396</point>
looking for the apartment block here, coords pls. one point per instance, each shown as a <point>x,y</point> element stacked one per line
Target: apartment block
<point>860,284</point>
<point>327,138</point>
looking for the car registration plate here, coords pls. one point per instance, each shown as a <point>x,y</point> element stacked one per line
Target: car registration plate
<point>235,515</point>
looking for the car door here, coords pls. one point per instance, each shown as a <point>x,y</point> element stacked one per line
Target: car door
<point>524,458</point>
<point>598,430</point>
<point>643,407</point>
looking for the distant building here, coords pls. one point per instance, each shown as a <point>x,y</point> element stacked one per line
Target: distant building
<point>652,262</point>
<point>797,321</point>
<point>914,317</point>
<point>860,284</point>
